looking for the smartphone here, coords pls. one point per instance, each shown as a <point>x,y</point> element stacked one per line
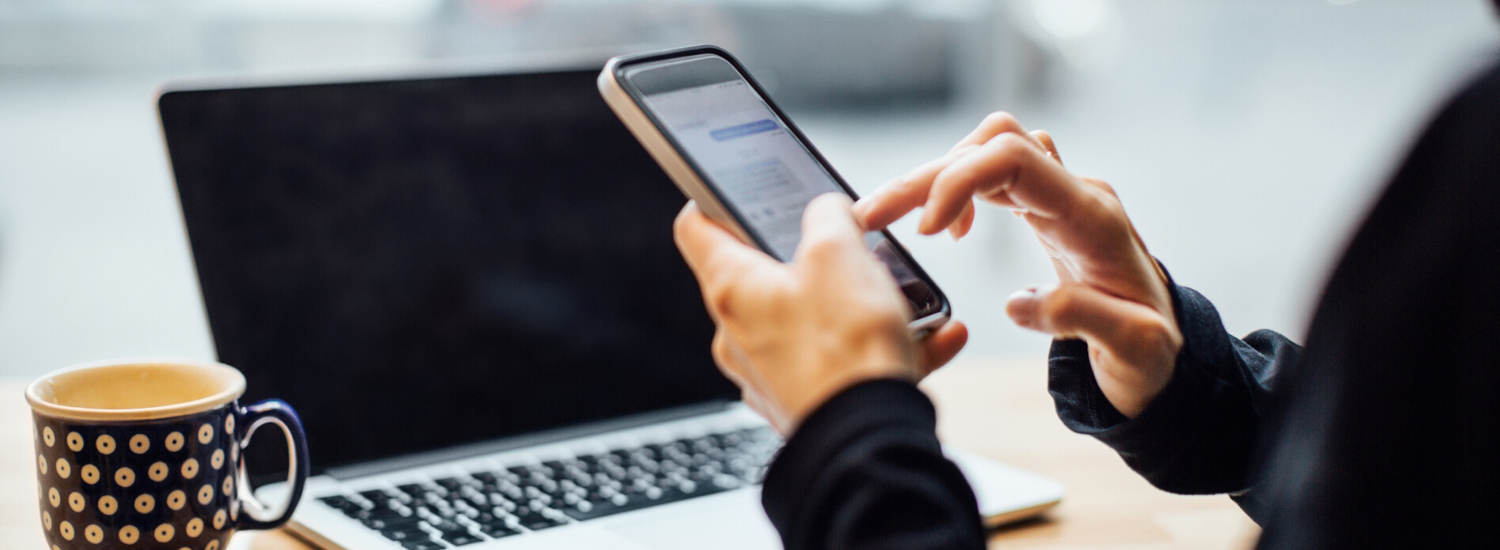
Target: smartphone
<point>727,146</point>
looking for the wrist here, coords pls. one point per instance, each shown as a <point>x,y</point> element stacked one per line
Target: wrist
<point>879,360</point>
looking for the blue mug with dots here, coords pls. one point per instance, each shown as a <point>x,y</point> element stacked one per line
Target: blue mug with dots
<point>145,454</point>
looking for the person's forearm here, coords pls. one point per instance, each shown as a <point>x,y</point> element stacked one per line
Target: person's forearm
<point>1197,436</point>
<point>865,471</point>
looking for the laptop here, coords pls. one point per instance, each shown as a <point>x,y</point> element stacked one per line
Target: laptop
<point>465,282</point>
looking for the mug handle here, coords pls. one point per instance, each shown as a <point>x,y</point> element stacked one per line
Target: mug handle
<point>273,411</point>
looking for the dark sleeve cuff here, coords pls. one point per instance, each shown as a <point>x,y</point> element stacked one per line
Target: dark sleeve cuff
<point>1085,409</point>
<point>853,413</point>
<point>1194,436</point>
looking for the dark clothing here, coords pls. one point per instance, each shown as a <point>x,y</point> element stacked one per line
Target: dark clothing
<point>865,471</point>
<point>1377,435</point>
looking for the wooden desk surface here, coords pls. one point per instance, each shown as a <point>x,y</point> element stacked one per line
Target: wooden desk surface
<point>996,408</point>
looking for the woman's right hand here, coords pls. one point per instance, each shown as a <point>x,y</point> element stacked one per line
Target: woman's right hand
<point>1110,291</point>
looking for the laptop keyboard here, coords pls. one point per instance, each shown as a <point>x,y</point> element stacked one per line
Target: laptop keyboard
<point>484,505</point>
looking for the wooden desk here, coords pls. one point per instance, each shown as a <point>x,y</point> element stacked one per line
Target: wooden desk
<point>996,408</point>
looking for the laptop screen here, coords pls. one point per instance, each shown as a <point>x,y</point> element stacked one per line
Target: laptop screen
<point>424,263</point>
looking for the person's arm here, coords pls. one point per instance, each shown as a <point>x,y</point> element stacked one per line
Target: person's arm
<point>1139,362</point>
<point>821,349</point>
<point>1197,435</point>
<point>865,471</point>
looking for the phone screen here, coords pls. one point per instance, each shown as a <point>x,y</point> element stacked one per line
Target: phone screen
<point>756,165</point>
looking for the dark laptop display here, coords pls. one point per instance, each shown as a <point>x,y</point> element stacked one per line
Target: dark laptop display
<point>424,263</point>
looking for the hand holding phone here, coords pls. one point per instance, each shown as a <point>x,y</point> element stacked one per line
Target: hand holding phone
<point>731,150</point>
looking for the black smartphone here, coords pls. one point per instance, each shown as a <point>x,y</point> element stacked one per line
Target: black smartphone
<point>729,148</point>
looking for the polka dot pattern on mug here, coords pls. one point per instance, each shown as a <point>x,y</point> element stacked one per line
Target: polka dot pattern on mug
<point>158,471</point>
<point>176,499</point>
<point>164,532</point>
<point>139,444</point>
<point>145,503</point>
<point>174,441</point>
<point>168,485</point>
<point>125,477</point>
<point>194,528</point>
<point>129,534</point>
<point>206,494</point>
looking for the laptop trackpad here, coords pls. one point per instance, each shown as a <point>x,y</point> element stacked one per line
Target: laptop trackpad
<point>726,521</point>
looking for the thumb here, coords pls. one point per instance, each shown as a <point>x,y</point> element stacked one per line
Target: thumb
<point>1131,332</point>
<point>829,230</point>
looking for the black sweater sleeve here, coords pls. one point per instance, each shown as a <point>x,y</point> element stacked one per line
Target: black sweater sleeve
<point>865,471</point>
<point>1199,435</point>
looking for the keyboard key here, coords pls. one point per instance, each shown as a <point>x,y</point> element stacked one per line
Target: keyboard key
<point>391,523</point>
<point>416,491</point>
<point>497,530</point>
<point>380,498</point>
<point>541,496</point>
<point>460,539</point>
<point>451,484</point>
<point>405,535</point>
<point>487,478</point>
<point>348,507</point>
<point>535,521</point>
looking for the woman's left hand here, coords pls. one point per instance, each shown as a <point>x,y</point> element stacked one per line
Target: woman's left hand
<point>791,336</point>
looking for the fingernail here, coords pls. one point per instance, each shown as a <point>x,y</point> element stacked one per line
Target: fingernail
<point>925,227</point>
<point>1021,305</point>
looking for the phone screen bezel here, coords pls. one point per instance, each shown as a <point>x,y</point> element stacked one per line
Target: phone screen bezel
<point>621,67</point>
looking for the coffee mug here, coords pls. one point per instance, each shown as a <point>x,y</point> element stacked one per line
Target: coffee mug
<point>146,454</point>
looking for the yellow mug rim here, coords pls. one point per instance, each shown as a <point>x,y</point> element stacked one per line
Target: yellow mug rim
<point>39,390</point>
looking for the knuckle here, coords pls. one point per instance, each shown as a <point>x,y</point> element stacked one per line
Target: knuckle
<point>1097,210</point>
<point>1012,144</point>
<point>1150,335</point>
<point>720,347</point>
<point>718,298</point>
<point>820,247</point>
<point>1059,305</point>
<point>680,223</point>
<point>1000,119</point>
<point>1142,329</point>
<point>1104,186</point>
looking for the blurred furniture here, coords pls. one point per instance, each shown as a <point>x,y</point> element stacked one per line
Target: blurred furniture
<point>997,408</point>
<point>815,53</point>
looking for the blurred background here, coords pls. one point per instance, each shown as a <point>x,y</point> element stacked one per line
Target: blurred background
<point>1245,137</point>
